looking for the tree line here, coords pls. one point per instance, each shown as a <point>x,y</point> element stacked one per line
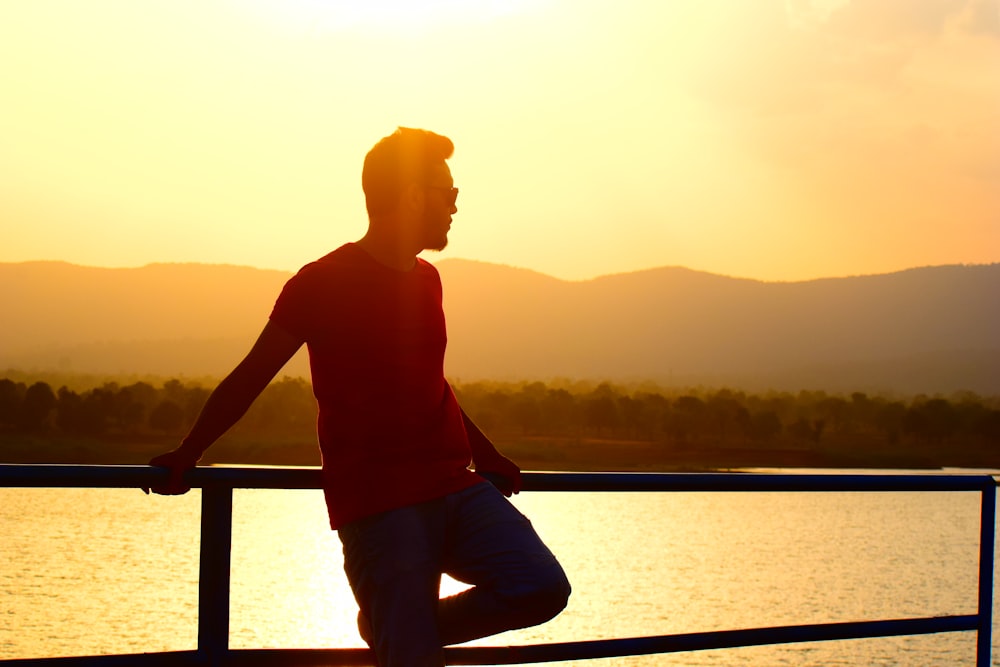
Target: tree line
<point>285,409</point>
<point>727,416</point>
<point>703,417</point>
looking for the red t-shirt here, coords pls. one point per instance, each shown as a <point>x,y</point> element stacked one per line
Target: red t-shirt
<point>390,430</point>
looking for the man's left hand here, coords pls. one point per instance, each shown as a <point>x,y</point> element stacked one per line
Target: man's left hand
<point>504,473</point>
<point>178,461</point>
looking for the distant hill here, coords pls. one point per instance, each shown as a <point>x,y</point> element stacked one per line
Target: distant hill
<point>170,319</point>
<point>934,329</point>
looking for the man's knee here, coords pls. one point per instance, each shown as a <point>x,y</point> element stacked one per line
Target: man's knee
<point>545,600</point>
<point>557,594</point>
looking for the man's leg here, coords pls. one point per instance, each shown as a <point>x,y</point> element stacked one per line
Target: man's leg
<point>517,582</point>
<point>392,561</point>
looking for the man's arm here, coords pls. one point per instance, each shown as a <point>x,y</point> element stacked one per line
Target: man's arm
<point>229,402</point>
<point>489,462</point>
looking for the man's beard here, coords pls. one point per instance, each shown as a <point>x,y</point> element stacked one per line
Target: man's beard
<point>441,245</point>
<point>436,242</point>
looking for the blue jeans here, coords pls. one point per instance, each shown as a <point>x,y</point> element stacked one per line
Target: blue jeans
<point>394,561</point>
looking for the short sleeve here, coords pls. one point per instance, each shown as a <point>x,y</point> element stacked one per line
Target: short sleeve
<point>294,306</point>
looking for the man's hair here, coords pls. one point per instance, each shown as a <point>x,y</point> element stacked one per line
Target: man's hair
<point>406,156</point>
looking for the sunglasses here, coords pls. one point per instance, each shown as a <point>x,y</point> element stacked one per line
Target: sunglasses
<point>450,194</point>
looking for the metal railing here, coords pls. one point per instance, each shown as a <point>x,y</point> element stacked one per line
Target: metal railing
<point>217,486</point>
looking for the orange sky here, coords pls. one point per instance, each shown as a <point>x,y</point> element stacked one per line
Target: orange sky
<point>780,140</point>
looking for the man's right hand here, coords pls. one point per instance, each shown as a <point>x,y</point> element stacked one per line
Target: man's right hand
<point>227,404</point>
<point>178,461</point>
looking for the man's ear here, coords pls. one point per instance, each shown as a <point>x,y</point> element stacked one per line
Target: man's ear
<point>413,197</point>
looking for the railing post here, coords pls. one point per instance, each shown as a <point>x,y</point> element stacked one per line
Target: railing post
<point>213,583</point>
<point>987,535</point>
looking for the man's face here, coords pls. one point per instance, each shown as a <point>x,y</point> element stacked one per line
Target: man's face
<point>439,206</point>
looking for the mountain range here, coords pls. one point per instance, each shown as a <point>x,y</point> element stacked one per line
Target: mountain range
<point>924,330</point>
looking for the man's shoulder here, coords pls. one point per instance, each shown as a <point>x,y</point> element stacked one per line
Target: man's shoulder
<point>345,258</point>
<point>346,255</point>
<point>426,267</point>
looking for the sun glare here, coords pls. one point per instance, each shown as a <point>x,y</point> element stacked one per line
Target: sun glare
<point>807,15</point>
<point>381,15</point>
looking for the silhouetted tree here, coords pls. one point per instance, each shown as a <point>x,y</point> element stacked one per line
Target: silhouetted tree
<point>129,412</point>
<point>167,417</point>
<point>889,419</point>
<point>526,414</point>
<point>764,425</point>
<point>807,430</point>
<point>727,416</point>
<point>835,412</point>
<point>70,415</point>
<point>558,412</point>
<point>652,414</point>
<point>11,397</point>
<point>173,390</point>
<point>286,406</point>
<point>987,426</point>
<point>971,416</point>
<point>931,421</point>
<point>784,405</point>
<point>600,409</point>
<point>630,415</point>
<point>863,410</point>
<point>194,400</point>
<point>136,402</point>
<point>493,411</point>
<point>142,393</point>
<point>37,406</point>
<point>686,418</point>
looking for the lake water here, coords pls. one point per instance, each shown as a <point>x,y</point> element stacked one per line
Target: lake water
<point>100,571</point>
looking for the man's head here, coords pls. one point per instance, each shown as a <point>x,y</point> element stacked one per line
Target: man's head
<point>404,157</point>
<point>407,181</point>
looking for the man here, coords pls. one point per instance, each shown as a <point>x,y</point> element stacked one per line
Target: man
<point>396,445</point>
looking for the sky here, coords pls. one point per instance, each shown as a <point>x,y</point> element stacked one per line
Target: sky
<point>768,139</point>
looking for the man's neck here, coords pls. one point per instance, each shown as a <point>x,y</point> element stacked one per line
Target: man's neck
<point>388,252</point>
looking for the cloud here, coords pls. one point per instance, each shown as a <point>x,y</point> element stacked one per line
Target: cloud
<point>887,20</point>
<point>790,57</point>
<point>751,60</point>
<point>983,18</point>
<point>881,113</point>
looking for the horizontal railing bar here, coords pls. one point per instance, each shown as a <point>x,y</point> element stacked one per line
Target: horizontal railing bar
<point>753,481</point>
<point>531,653</point>
<point>135,476</point>
<point>165,659</point>
<point>702,641</point>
